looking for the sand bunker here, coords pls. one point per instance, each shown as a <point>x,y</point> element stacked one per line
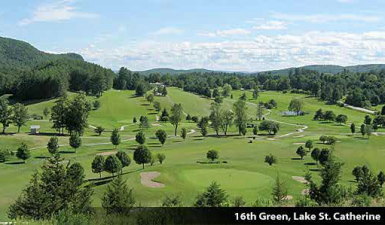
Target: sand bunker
<point>305,192</point>
<point>147,177</point>
<point>299,143</point>
<point>156,125</point>
<point>299,136</point>
<point>288,198</point>
<point>300,179</point>
<point>107,153</point>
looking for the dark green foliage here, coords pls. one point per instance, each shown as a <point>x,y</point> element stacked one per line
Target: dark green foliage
<point>315,154</point>
<point>212,155</point>
<point>162,136</point>
<point>183,133</point>
<point>98,165</point>
<point>99,130</point>
<point>255,130</point>
<point>161,157</point>
<point>279,191</point>
<point>301,152</point>
<point>112,164</point>
<point>20,115</point>
<point>353,128</point>
<point>5,113</point>
<point>357,173</point>
<point>213,196</point>
<point>368,184</point>
<point>140,138</point>
<point>23,152</point>
<point>118,199</point>
<point>176,116</point>
<point>4,155</point>
<point>269,126</point>
<point>296,105</point>
<point>96,104</point>
<point>75,174</point>
<point>144,124</point>
<point>324,156</point>
<point>52,190</point>
<point>115,138</point>
<point>381,178</point>
<point>240,110</point>
<point>309,144</point>
<point>271,159</point>
<point>75,141</point>
<point>53,145</point>
<point>172,201</point>
<point>142,155</point>
<point>124,159</point>
<point>341,119</point>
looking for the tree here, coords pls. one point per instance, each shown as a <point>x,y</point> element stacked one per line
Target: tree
<point>301,152</point>
<point>5,113</point>
<point>216,117</point>
<point>142,155</point>
<point>165,115</point>
<point>226,90</point>
<point>227,120</point>
<point>255,130</point>
<point>75,141</point>
<point>98,165</point>
<point>324,156</point>
<point>99,130</point>
<point>188,117</point>
<point>243,96</point>
<point>240,115</point>
<point>112,165</point>
<point>319,115</point>
<point>329,116</point>
<point>161,157</point>
<point>369,185</point>
<point>124,159</point>
<point>140,138</point>
<point>329,192</point>
<point>368,130</point>
<point>75,173</point>
<point>144,124</point>
<point>216,93</point>
<point>53,145</point>
<point>140,89</point>
<point>368,120</point>
<point>172,202</point>
<point>23,152</point>
<point>357,172</point>
<point>164,92</point>
<point>157,106</point>
<point>150,98</point>
<point>279,191</point>
<point>46,112</point>
<point>260,110</point>
<point>353,128</point>
<point>96,104</point>
<point>269,126</point>
<point>255,93</point>
<point>309,144</point>
<point>115,138</point>
<point>363,130</point>
<point>315,154</point>
<point>296,105</point>
<point>383,110</point>
<point>271,159</point>
<point>118,199</point>
<point>323,138</point>
<point>212,155</point>
<point>381,178</point>
<point>176,116</point>
<point>341,119</point>
<point>162,136</point>
<point>77,114</point>
<point>20,115</point>
<point>213,196</point>
<point>134,120</point>
<point>183,133</point>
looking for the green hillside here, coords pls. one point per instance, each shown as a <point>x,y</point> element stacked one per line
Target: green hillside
<point>172,71</point>
<point>15,53</point>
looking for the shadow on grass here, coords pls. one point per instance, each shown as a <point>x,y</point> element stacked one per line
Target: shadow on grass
<point>67,152</point>
<point>211,162</point>
<point>360,138</point>
<point>310,164</point>
<point>315,170</point>
<point>48,134</point>
<point>15,163</point>
<point>42,157</point>
<point>296,159</point>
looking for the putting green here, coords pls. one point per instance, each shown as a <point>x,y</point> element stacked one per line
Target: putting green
<point>229,179</point>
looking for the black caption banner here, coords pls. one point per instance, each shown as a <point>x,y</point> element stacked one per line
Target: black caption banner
<point>318,215</point>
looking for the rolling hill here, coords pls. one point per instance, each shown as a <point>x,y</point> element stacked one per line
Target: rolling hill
<point>20,54</point>
<point>172,71</point>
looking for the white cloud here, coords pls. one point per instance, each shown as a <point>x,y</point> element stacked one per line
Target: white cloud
<point>323,18</point>
<point>168,31</point>
<point>225,33</point>
<point>261,53</point>
<point>56,11</point>
<point>272,25</point>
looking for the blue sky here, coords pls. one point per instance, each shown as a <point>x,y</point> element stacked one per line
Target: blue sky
<point>238,35</point>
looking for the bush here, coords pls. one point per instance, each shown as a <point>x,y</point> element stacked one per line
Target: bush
<point>36,117</point>
<point>212,155</point>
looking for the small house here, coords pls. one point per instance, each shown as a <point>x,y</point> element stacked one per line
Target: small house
<point>35,129</point>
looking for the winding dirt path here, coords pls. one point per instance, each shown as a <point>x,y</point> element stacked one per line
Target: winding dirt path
<point>147,177</point>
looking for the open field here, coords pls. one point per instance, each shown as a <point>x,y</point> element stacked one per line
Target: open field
<point>245,173</point>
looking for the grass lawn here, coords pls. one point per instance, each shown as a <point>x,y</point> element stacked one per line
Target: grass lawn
<point>245,173</point>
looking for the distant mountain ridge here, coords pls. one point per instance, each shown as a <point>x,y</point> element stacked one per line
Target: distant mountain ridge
<point>22,55</point>
<point>333,69</point>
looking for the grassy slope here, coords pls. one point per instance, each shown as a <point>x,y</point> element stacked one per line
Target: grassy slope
<point>181,173</point>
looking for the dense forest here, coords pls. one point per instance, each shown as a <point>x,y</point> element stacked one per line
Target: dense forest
<point>357,89</point>
<point>31,74</point>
